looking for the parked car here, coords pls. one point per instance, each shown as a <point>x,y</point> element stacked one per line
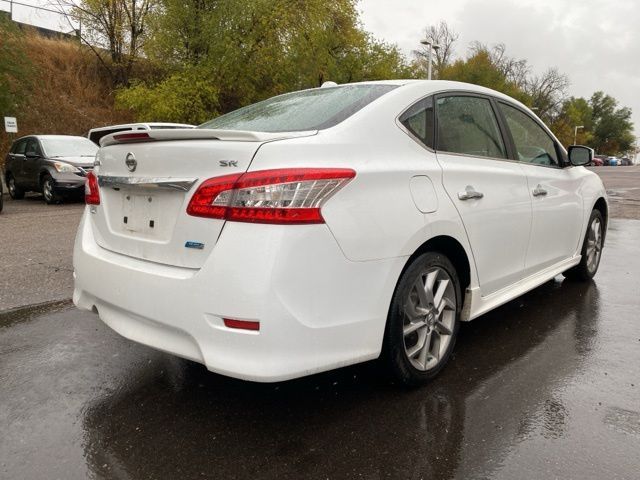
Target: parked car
<point>625,162</point>
<point>95,134</point>
<point>55,165</point>
<point>597,162</point>
<point>603,160</point>
<point>613,161</point>
<point>332,226</point>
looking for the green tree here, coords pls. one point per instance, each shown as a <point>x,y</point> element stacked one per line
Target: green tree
<point>481,69</point>
<point>185,96</point>
<point>575,111</point>
<point>251,50</point>
<point>612,125</point>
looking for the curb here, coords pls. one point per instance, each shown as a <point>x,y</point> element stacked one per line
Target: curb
<point>20,313</point>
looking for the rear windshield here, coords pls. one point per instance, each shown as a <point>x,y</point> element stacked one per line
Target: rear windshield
<point>69,147</point>
<point>299,111</point>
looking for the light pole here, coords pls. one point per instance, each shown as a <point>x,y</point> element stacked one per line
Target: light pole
<point>575,133</point>
<point>432,46</point>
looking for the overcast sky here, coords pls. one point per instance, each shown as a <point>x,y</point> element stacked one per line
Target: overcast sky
<point>595,42</point>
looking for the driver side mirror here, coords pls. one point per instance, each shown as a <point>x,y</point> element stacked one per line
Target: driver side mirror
<point>580,155</point>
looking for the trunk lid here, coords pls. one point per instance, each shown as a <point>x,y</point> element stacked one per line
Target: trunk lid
<point>146,185</point>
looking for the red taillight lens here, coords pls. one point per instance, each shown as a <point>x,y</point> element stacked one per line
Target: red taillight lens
<point>91,192</point>
<point>242,324</point>
<point>131,137</point>
<point>284,196</point>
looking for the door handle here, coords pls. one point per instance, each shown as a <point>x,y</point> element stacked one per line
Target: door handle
<point>469,193</point>
<point>539,191</point>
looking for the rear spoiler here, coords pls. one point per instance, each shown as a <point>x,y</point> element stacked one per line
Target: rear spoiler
<point>137,136</point>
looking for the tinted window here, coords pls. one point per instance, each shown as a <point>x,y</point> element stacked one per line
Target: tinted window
<point>299,111</point>
<point>418,119</point>
<point>33,148</point>
<point>533,144</point>
<point>20,146</point>
<point>468,125</point>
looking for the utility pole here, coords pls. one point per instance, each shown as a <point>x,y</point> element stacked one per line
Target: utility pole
<point>575,133</point>
<point>432,46</point>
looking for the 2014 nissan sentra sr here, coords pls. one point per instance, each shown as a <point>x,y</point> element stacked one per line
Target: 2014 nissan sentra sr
<point>332,226</point>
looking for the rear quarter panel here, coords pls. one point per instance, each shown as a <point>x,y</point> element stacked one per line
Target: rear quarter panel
<point>374,217</point>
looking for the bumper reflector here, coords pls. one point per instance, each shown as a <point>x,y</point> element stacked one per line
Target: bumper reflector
<point>241,324</point>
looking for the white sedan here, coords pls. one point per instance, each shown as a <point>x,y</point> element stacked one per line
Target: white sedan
<point>332,226</point>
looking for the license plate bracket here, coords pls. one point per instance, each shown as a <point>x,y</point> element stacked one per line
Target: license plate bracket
<point>139,213</point>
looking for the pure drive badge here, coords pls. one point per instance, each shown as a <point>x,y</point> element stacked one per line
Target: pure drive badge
<point>196,245</point>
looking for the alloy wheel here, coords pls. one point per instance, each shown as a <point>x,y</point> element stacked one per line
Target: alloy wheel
<point>47,190</point>
<point>429,318</point>
<point>594,244</point>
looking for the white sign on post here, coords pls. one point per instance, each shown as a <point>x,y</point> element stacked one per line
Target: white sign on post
<point>10,125</point>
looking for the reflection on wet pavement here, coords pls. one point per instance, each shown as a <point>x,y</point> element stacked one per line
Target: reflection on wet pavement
<point>546,386</point>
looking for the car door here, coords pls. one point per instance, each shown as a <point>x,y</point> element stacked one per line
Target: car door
<point>16,161</point>
<point>33,158</point>
<point>489,191</point>
<point>556,203</point>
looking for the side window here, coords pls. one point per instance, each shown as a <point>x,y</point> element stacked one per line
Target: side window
<point>20,147</point>
<point>33,147</point>
<point>468,125</point>
<point>533,144</point>
<point>418,119</point>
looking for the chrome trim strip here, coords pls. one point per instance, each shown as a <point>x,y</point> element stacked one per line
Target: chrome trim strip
<point>171,183</point>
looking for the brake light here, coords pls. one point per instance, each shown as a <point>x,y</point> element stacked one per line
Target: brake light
<point>91,191</point>
<point>284,196</point>
<point>131,137</point>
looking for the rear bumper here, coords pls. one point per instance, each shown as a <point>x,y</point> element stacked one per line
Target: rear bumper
<point>317,310</point>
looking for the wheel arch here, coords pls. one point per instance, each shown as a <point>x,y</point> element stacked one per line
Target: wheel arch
<point>453,250</point>
<point>602,206</point>
<point>43,172</point>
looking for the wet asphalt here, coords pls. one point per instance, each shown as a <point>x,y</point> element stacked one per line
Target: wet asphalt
<point>547,386</point>
<point>36,245</point>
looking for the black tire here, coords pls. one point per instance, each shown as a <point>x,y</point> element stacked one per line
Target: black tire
<point>15,192</point>
<point>48,191</point>
<point>396,351</point>
<point>588,266</point>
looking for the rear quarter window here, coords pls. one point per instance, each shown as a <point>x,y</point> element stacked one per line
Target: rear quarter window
<point>418,119</point>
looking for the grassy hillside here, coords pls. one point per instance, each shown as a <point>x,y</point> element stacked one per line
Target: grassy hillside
<point>67,91</point>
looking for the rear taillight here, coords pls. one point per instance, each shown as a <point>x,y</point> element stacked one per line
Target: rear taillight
<point>91,192</point>
<point>285,196</point>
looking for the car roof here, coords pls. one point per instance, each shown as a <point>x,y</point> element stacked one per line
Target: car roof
<point>435,86</point>
<point>44,137</point>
